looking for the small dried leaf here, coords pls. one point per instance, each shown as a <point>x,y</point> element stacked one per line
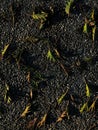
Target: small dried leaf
<point>26,111</point>
<point>7,98</point>
<point>84,107</point>
<point>28,77</point>
<point>63,115</point>
<point>57,53</point>
<point>92,14</point>
<point>93,33</point>
<point>50,56</point>
<point>85,28</point>
<point>87,91</point>
<point>31,94</point>
<point>62,97</point>
<point>68,6</point>
<point>31,123</point>
<point>64,69</point>
<point>42,122</point>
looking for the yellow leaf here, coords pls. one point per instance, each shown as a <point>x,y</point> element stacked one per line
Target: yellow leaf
<point>50,56</point>
<point>27,110</point>
<point>85,28</point>
<point>62,97</point>
<point>92,107</point>
<point>6,96</point>
<point>87,91</point>
<point>4,50</point>
<point>63,115</point>
<point>68,5</point>
<point>40,16</point>
<point>84,107</point>
<point>42,121</point>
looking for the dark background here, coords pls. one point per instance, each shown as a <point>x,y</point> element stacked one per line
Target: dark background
<point>48,80</point>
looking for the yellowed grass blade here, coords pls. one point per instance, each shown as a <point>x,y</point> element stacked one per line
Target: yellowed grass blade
<point>68,6</point>
<point>63,115</point>
<point>4,50</point>
<point>93,33</point>
<point>50,56</point>
<point>84,107</point>
<point>87,91</point>
<point>62,97</point>
<point>92,107</point>
<point>42,122</point>
<point>26,111</point>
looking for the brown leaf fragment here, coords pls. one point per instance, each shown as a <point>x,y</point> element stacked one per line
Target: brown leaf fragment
<point>28,77</point>
<point>31,123</point>
<point>57,53</point>
<point>42,122</point>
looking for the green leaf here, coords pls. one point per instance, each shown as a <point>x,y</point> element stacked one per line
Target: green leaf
<point>68,6</point>
<point>40,16</point>
<point>84,107</point>
<point>62,97</point>
<point>50,56</point>
<point>85,28</point>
